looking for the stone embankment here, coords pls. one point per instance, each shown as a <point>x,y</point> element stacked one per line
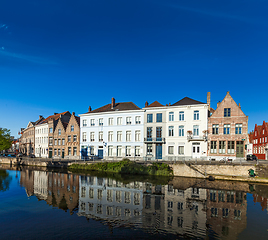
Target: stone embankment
<point>237,172</point>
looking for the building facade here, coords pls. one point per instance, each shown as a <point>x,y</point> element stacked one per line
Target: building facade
<point>227,131</point>
<point>113,131</point>
<point>259,140</point>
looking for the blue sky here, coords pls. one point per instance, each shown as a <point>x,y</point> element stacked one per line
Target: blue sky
<point>67,55</point>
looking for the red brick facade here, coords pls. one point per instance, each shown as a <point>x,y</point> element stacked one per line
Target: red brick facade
<point>260,138</point>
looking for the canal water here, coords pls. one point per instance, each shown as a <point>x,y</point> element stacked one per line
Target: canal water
<point>37,204</point>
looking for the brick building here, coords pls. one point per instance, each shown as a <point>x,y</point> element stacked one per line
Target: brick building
<point>227,130</point>
<point>259,140</point>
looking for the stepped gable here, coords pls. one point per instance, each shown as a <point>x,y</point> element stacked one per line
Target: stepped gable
<point>155,104</point>
<point>117,107</point>
<point>187,101</point>
<point>77,120</point>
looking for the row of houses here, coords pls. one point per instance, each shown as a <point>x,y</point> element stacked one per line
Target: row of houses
<point>185,129</point>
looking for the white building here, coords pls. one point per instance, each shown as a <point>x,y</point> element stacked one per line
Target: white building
<point>113,131</point>
<point>176,131</point>
<point>41,139</point>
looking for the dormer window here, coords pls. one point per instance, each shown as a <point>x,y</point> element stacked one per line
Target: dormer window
<point>59,132</point>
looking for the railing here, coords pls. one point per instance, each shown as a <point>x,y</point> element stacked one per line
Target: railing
<point>196,138</point>
<point>155,140</point>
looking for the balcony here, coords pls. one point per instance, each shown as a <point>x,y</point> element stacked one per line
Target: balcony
<point>154,140</point>
<point>196,138</point>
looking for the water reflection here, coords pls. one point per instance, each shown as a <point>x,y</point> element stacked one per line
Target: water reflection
<point>5,180</point>
<point>190,208</point>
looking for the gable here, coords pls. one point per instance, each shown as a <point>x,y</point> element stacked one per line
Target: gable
<point>228,103</point>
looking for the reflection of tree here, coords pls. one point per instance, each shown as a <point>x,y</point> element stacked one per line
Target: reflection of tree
<point>5,180</point>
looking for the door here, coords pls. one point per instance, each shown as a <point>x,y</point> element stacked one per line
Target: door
<point>239,149</point>
<point>100,153</point>
<point>50,153</point>
<point>158,151</point>
<point>62,153</point>
<point>196,150</point>
<point>84,153</point>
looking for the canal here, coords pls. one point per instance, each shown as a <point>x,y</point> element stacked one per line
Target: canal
<point>45,204</point>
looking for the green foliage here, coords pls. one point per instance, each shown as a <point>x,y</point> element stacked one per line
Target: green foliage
<point>5,139</point>
<point>126,167</point>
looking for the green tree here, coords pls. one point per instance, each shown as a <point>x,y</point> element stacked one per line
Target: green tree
<point>5,139</point>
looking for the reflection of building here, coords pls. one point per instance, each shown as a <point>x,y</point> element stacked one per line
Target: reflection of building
<point>40,184</point>
<point>226,212</point>
<point>109,199</point>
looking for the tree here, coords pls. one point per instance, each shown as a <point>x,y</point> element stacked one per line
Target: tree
<point>5,139</point>
<point>5,180</point>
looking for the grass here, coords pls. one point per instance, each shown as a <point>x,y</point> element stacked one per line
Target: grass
<point>125,167</point>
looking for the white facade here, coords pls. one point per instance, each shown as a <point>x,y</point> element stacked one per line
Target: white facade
<point>181,133</point>
<point>113,134</point>
<point>41,140</point>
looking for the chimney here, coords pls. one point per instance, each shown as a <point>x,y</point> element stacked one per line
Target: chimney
<point>73,113</point>
<point>208,100</point>
<point>40,116</point>
<point>218,103</point>
<point>239,105</point>
<point>55,113</point>
<point>146,104</point>
<point>113,103</point>
<point>169,104</point>
<point>89,109</point>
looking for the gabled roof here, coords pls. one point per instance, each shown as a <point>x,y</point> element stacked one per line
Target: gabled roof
<point>187,101</point>
<point>78,120</point>
<point>118,107</point>
<point>155,104</point>
<point>55,117</point>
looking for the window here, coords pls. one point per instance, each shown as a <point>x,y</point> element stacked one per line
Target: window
<point>196,130</point>
<point>110,121</point>
<point>55,152</point>
<point>63,141</point>
<point>171,116</point>
<point>221,146</point>
<point>50,141</point>
<point>149,118</point>
<point>59,132</point>
<point>149,149</point>
<point>72,128</point>
<point>128,120</point>
<point>137,151</point>
<point>149,133</point>
<point>181,116</point>
<point>92,136</point>
<point>69,138</point>
<point>69,151</point>
<point>99,194</point>
<point>215,129</point>
<point>92,150</point>
<point>158,133</point>
<point>128,136</point>
<point>110,150</point>
<point>230,149</point>
<point>119,151</point>
<point>170,149</point>
<point>59,141</point>
<point>100,136</point>
<point>213,148</point>
<point>75,138</point>
<point>181,150</point>
<point>138,119</point>
<point>128,151</point>
<point>137,136</point>
<point>159,117</point>
<point>226,129</point>
<point>181,131</point>
<point>84,123</point>
<point>55,141</point>
<point>92,122</point>
<point>100,121</point>
<point>58,152</point>
<point>84,136</point>
<point>75,151</point>
<point>227,112</point>
<point>196,115</point>
<point>50,130</point>
<point>119,121</point>
<point>238,128</point>
<point>119,136</point>
<point>170,131</point>
<point>110,136</point>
